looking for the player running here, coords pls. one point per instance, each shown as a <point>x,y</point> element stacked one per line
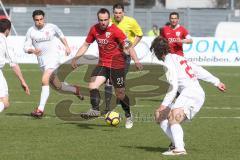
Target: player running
<point>111,43</point>
<point>133,31</point>
<point>41,40</point>
<point>183,77</point>
<point>6,56</point>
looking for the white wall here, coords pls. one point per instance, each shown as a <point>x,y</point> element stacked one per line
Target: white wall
<point>174,4</point>
<point>228,30</point>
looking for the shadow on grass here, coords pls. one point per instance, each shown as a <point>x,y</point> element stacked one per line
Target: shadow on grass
<point>18,114</point>
<point>28,115</point>
<point>147,148</point>
<point>151,100</point>
<point>86,125</point>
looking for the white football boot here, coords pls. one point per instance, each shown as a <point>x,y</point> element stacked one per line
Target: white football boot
<point>174,153</point>
<point>129,122</point>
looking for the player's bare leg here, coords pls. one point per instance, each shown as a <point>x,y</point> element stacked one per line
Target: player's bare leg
<point>95,98</point>
<point>176,117</point>
<point>4,103</point>
<point>63,86</point>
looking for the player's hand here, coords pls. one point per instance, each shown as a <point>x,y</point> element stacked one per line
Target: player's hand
<point>74,62</point>
<point>67,51</point>
<point>25,88</point>
<point>221,86</point>
<point>139,66</point>
<point>37,51</point>
<point>161,113</point>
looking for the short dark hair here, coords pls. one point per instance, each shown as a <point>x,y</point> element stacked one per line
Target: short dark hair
<point>173,13</point>
<point>102,11</point>
<point>118,6</point>
<point>159,47</point>
<point>4,25</point>
<point>37,13</point>
<point>167,24</point>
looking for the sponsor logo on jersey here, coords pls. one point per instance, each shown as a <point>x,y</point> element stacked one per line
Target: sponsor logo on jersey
<point>170,40</point>
<point>178,34</point>
<point>108,34</point>
<point>102,41</point>
<point>47,33</point>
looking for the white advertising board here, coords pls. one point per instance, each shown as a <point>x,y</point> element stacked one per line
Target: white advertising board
<point>204,51</point>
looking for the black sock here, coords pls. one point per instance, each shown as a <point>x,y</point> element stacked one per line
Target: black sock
<point>108,96</point>
<point>125,106</point>
<point>95,98</point>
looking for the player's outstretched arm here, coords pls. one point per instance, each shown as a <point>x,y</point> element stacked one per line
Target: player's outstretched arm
<point>35,51</point>
<point>187,41</point>
<point>18,73</point>
<point>204,75</point>
<point>67,48</point>
<point>133,55</point>
<point>221,86</point>
<point>136,41</point>
<point>83,49</point>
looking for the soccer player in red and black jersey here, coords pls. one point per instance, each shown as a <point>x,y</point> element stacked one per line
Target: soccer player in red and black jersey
<point>112,44</point>
<point>176,34</point>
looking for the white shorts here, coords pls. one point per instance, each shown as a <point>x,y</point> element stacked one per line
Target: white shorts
<point>49,62</point>
<point>191,100</point>
<point>3,86</point>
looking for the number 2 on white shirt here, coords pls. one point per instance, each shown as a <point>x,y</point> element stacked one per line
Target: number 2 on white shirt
<point>188,69</point>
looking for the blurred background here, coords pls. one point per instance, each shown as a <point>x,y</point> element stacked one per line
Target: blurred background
<point>74,17</point>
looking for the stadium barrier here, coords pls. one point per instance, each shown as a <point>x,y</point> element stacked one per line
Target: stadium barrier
<point>207,51</point>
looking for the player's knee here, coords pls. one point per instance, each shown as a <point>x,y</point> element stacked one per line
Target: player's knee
<point>45,82</point>
<point>5,103</point>
<point>92,85</point>
<point>176,117</point>
<point>56,85</point>
<point>160,116</point>
<point>120,94</point>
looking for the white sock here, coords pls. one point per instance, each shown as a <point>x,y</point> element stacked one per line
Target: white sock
<point>68,88</point>
<point>44,97</point>
<point>177,133</point>
<point>166,129</point>
<point>1,106</point>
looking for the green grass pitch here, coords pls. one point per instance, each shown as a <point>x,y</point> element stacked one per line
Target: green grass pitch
<point>212,135</point>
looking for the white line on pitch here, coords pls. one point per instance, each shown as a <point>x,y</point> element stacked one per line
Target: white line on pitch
<point>38,70</point>
<point>50,103</point>
<point>135,106</point>
<point>85,85</point>
<point>219,117</point>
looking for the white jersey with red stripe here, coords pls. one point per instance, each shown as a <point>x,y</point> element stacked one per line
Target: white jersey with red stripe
<point>184,75</point>
<point>45,39</point>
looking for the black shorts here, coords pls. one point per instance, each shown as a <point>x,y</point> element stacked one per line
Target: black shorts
<point>116,76</point>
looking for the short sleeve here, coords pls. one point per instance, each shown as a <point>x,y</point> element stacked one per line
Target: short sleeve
<point>120,36</point>
<point>136,28</point>
<point>186,34</point>
<point>28,44</point>
<point>58,31</point>
<point>163,32</point>
<point>90,37</point>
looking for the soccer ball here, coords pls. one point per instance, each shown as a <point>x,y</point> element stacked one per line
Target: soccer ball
<point>112,118</point>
